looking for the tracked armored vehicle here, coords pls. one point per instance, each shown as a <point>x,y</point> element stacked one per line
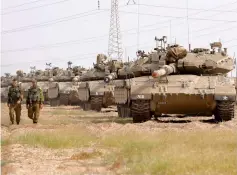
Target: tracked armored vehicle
<point>192,83</point>
<point>93,92</point>
<point>60,86</point>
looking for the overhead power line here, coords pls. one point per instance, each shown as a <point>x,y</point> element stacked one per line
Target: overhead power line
<point>182,8</point>
<point>93,38</point>
<point>98,38</point>
<point>45,5</point>
<point>78,57</point>
<point>181,17</point>
<point>74,17</point>
<point>68,18</point>
<point>15,6</point>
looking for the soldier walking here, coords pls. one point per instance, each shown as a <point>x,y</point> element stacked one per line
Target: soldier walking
<point>15,97</point>
<point>34,102</point>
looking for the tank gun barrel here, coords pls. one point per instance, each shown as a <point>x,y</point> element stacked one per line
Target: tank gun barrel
<point>165,70</point>
<point>110,77</point>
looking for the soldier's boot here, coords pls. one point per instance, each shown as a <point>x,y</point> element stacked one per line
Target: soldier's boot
<point>36,114</point>
<point>18,114</point>
<point>11,114</point>
<point>30,112</point>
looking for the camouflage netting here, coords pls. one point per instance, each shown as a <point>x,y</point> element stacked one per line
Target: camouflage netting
<point>175,53</point>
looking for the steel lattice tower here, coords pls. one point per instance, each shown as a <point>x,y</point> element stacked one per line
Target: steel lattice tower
<point>115,50</point>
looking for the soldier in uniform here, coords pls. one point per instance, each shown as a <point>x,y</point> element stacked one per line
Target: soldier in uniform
<point>15,97</point>
<point>34,101</point>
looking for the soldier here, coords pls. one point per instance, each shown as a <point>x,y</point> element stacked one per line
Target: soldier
<point>14,101</point>
<point>34,101</point>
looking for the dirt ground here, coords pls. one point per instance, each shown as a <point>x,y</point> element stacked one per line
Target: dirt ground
<point>85,150</point>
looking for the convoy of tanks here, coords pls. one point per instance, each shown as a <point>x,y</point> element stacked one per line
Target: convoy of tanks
<point>169,80</point>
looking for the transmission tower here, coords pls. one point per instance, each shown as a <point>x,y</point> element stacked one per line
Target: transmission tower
<point>115,50</point>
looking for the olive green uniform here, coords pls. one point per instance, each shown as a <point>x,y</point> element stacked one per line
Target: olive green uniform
<point>15,95</point>
<point>35,98</point>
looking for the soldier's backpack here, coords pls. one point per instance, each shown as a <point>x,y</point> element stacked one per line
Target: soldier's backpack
<point>15,93</point>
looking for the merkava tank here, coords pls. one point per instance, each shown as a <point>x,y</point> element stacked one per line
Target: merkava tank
<point>93,92</point>
<point>60,86</point>
<point>192,83</point>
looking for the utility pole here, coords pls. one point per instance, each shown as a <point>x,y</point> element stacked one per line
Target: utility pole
<point>188,26</point>
<point>49,65</point>
<point>98,4</point>
<point>115,50</point>
<point>170,32</point>
<point>69,64</point>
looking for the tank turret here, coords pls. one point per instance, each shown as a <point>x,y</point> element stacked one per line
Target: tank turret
<point>102,69</point>
<point>199,61</point>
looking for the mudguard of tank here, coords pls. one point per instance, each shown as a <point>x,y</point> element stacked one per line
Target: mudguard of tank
<point>84,96</point>
<point>53,94</point>
<point>121,95</point>
<point>53,90</point>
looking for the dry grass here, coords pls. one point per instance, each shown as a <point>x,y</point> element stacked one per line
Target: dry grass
<point>73,138</point>
<point>183,152</point>
<point>70,112</point>
<point>86,155</point>
<point>177,153</point>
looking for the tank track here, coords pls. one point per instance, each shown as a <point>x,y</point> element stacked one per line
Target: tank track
<point>64,99</point>
<point>86,106</point>
<point>54,102</point>
<point>225,111</point>
<point>96,103</point>
<point>123,111</point>
<point>108,99</point>
<point>140,111</point>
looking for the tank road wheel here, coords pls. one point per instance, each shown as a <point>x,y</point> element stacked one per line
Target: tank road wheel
<point>96,103</point>
<point>225,111</point>
<point>123,111</point>
<point>64,99</point>
<point>140,110</point>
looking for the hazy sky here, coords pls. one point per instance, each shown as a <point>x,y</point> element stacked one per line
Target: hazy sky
<point>38,31</point>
